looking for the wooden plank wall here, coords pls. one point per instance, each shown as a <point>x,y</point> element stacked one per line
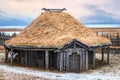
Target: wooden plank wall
<point>31,58</point>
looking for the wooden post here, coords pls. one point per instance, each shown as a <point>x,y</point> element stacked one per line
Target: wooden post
<point>26,62</point>
<point>46,59</point>
<point>108,50</point>
<point>67,61</point>
<point>94,59</point>
<point>102,54</point>
<point>61,61</point>
<point>58,60</point>
<point>6,55</point>
<point>11,56</point>
<point>81,67</point>
<point>64,60</point>
<point>86,60</point>
<point>83,61</point>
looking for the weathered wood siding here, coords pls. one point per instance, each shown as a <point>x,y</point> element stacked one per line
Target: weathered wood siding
<point>31,58</point>
<point>76,60</point>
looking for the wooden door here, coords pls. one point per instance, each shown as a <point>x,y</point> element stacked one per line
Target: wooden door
<point>74,62</point>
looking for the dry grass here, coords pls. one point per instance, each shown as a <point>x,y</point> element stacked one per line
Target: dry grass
<point>114,65</point>
<point>113,34</point>
<point>53,29</point>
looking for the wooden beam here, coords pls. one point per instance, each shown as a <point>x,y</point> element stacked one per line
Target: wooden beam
<point>26,62</point>
<point>102,54</point>
<point>61,61</point>
<point>86,60</point>
<point>83,61</point>
<point>67,61</point>
<point>64,60</point>
<point>58,60</point>
<point>81,68</point>
<point>11,53</point>
<point>94,60</point>
<point>6,55</point>
<point>46,59</point>
<point>32,49</point>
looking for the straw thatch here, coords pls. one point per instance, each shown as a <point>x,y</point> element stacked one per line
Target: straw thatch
<point>55,29</point>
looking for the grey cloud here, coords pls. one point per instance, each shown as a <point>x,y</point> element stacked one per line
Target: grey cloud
<point>98,10</point>
<point>99,16</point>
<point>2,12</point>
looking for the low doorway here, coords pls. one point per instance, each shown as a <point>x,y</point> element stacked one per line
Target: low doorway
<point>74,62</point>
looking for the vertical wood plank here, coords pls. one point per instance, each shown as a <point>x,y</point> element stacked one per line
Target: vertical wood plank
<point>67,61</point>
<point>58,60</point>
<point>20,56</point>
<point>6,55</point>
<point>86,60</point>
<point>81,61</point>
<point>94,60</point>
<point>102,54</point>
<point>64,60</point>
<point>11,53</point>
<point>46,59</point>
<point>61,61</point>
<point>26,57</point>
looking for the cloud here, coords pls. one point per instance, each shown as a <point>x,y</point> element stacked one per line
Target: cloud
<point>99,16</point>
<point>2,12</point>
<point>29,9</point>
<point>33,7</point>
<point>112,7</point>
<point>99,19</point>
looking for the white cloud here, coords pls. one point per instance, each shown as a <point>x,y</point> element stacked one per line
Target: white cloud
<point>32,8</point>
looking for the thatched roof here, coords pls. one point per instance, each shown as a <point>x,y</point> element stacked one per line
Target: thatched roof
<point>55,29</point>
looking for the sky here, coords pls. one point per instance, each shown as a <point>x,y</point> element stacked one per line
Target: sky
<point>22,12</point>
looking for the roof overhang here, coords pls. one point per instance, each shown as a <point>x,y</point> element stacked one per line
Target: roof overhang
<point>73,41</point>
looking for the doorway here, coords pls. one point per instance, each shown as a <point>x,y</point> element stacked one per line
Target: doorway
<point>74,62</point>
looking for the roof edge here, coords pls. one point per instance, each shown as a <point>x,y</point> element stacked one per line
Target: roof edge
<point>30,47</point>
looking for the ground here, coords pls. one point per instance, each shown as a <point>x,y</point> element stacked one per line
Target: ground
<point>102,71</point>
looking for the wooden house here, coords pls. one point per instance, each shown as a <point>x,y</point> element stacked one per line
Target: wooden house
<point>56,40</point>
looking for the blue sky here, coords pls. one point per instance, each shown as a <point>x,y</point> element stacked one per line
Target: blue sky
<point>22,12</point>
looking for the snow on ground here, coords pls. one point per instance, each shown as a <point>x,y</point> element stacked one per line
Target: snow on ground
<point>107,72</point>
<point>96,75</point>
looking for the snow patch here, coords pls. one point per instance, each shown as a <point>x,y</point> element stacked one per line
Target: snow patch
<point>96,75</point>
